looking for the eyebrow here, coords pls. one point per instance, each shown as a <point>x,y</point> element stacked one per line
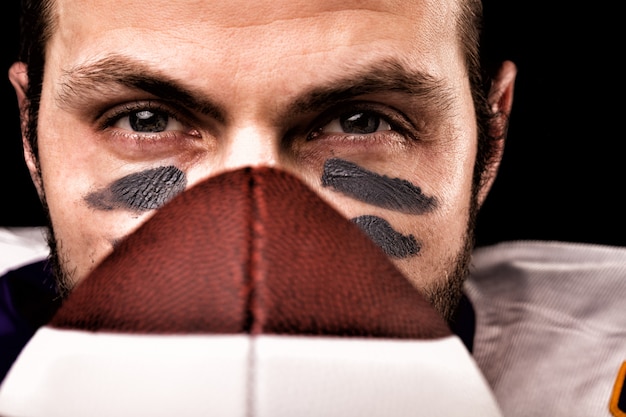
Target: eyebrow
<point>106,74</point>
<point>381,77</point>
<point>385,76</point>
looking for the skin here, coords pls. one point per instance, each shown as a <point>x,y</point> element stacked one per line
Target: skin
<point>261,75</point>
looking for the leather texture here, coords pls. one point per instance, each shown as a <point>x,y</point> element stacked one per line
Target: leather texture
<point>250,251</point>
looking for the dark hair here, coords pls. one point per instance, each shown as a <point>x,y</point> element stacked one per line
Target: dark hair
<point>479,69</point>
<point>36,28</point>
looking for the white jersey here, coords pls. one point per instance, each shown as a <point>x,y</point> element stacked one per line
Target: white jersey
<point>20,246</point>
<point>550,332</point>
<point>550,325</point>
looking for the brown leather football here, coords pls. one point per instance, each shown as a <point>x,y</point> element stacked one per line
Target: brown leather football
<point>250,251</point>
<point>246,296</point>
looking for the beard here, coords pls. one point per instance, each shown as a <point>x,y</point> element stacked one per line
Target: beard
<point>58,264</point>
<point>445,294</point>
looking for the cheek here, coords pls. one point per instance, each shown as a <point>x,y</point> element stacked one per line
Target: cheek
<point>71,166</point>
<point>84,235</point>
<point>442,237</point>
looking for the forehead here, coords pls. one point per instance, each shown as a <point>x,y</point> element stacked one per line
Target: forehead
<point>215,24</point>
<point>236,13</point>
<point>264,51</point>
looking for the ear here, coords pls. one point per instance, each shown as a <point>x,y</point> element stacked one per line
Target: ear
<point>18,75</point>
<point>500,101</point>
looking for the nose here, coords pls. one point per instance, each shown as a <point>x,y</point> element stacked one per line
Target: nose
<point>252,146</point>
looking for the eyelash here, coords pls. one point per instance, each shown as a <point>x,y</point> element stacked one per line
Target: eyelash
<point>399,125</point>
<point>127,110</point>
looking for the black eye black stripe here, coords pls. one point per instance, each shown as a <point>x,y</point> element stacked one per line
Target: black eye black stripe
<point>393,243</point>
<point>141,191</point>
<point>379,190</point>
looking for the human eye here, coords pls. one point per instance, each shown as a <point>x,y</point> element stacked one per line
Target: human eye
<point>366,122</point>
<point>357,123</point>
<point>147,120</point>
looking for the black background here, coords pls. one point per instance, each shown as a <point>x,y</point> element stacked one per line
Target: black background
<point>562,176</point>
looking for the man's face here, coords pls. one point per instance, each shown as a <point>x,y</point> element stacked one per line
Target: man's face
<point>368,102</point>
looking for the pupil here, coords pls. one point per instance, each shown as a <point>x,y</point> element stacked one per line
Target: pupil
<point>147,121</point>
<point>360,123</point>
